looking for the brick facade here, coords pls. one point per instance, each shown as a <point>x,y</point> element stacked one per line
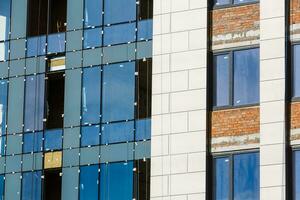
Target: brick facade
<point>235,24</point>
<point>235,122</point>
<point>295,115</point>
<point>295,12</point>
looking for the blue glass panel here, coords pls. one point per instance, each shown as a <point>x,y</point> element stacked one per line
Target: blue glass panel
<point>89,182</point>
<point>246,176</point>
<point>3,105</point>
<point>119,34</point>
<point>114,11</point>
<point>90,135</point>
<point>2,145</point>
<point>34,102</point>
<point>221,2</point>
<point>93,13</point>
<point>56,43</point>
<point>296,71</point>
<point>145,29</point>
<point>91,92</point>
<point>32,185</point>
<point>221,178</point>
<point>221,80</point>
<point>92,38</point>
<point>36,46</point>
<point>143,129</point>
<point>1,187</point>
<point>297,175</point>
<point>116,181</point>
<point>246,77</point>
<point>53,139</point>
<point>243,1</point>
<point>117,132</point>
<point>5,19</point>
<point>4,47</point>
<point>118,92</point>
<point>33,142</point>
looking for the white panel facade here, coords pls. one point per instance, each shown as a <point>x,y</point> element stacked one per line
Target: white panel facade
<point>178,165</point>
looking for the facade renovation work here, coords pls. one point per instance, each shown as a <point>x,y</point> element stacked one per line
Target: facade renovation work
<point>149,99</point>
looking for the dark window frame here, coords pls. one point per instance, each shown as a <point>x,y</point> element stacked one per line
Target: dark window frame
<point>230,53</point>
<point>231,4</point>
<point>230,155</point>
<point>293,97</point>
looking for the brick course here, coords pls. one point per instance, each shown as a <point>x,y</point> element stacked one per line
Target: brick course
<point>295,12</point>
<point>295,115</point>
<point>235,122</point>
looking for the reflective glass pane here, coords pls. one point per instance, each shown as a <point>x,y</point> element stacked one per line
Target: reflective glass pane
<point>143,129</point>
<point>1,187</point>
<point>221,178</point>
<point>33,142</point>
<point>145,9</point>
<point>118,91</point>
<point>116,181</point>
<point>53,139</point>
<point>36,46</point>
<point>93,13</point>
<point>145,29</point>
<point>117,132</point>
<point>119,34</point>
<point>89,182</point>
<point>297,175</point>
<point>114,11</point>
<point>56,43</point>
<point>32,185</point>
<point>296,71</point>
<point>4,19</point>
<point>34,102</point>
<point>91,92</point>
<point>2,145</point>
<point>246,77</point>
<point>92,38</point>
<point>243,1</point>
<point>246,176</point>
<point>3,105</point>
<point>221,2</point>
<point>90,135</point>
<point>4,46</point>
<point>221,80</point>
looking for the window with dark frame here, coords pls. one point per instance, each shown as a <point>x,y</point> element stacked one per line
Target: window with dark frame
<point>236,78</point>
<point>236,176</point>
<point>221,3</point>
<point>52,184</point>
<point>296,71</point>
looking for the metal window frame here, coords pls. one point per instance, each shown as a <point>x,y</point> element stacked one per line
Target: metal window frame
<point>231,4</point>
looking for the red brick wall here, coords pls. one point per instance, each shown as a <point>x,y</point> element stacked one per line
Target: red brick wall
<point>238,20</point>
<point>235,122</point>
<point>295,11</point>
<point>295,115</point>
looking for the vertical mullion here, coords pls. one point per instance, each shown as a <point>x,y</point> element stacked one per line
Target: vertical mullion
<point>231,78</point>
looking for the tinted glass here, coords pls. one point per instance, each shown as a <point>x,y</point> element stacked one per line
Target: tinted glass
<point>296,71</point>
<point>246,77</point>
<point>221,2</point>
<point>31,185</point>
<point>53,139</point>
<point>114,11</point>
<point>4,19</point>
<point>221,80</point>
<point>89,182</point>
<point>36,46</point>
<point>246,176</point>
<point>34,102</point>
<point>118,34</point>
<point>33,142</point>
<point>3,105</point>
<point>117,132</point>
<point>1,187</point>
<point>145,29</point>
<point>91,92</point>
<point>243,1</point>
<point>90,135</point>
<point>93,13</point>
<point>4,47</point>
<point>143,129</point>
<point>118,92</point>
<point>116,181</point>
<point>2,145</point>
<point>297,175</point>
<point>56,43</point>
<point>92,38</point>
<point>221,178</point>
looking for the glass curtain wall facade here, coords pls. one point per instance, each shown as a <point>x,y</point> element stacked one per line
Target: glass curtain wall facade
<point>75,99</point>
